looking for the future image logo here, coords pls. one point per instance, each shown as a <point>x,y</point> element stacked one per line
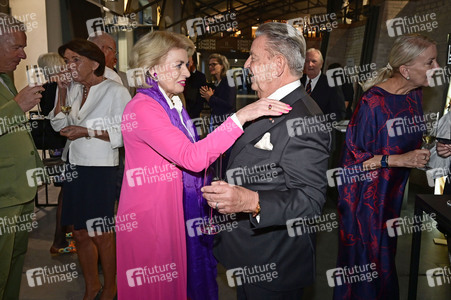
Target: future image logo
<point>98,26</point>
<point>218,23</point>
<point>136,77</point>
<point>349,275</point>
<point>251,274</point>
<point>35,76</point>
<point>438,276</point>
<point>438,76</point>
<point>411,24</point>
<point>237,77</point>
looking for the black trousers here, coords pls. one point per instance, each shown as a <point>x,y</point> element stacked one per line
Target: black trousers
<point>252,292</point>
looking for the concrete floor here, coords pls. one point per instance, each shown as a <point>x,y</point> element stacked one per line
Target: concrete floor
<point>432,256</point>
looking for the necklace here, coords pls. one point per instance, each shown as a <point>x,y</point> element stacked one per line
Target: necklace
<point>85,92</point>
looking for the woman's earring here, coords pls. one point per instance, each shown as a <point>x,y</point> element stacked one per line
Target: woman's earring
<point>154,77</point>
<point>408,77</point>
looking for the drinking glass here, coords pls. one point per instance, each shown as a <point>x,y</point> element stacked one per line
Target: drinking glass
<point>211,228</point>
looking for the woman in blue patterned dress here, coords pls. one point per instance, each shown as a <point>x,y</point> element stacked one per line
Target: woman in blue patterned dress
<point>383,142</point>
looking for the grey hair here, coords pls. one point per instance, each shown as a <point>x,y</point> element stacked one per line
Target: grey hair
<point>404,50</point>
<point>100,36</point>
<point>316,51</point>
<point>10,24</point>
<point>286,40</point>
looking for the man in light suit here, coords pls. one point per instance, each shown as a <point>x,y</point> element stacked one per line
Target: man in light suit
<point>276,173</point>
<point>18,155</point>
<point>329,98</point>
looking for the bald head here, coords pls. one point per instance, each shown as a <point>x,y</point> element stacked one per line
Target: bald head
<point>107,44</point>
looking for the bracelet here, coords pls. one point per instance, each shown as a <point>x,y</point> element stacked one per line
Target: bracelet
<point>257,210</point>
<point>384,161</point>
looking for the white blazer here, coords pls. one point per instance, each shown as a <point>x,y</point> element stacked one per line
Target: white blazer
<point>102,110</point>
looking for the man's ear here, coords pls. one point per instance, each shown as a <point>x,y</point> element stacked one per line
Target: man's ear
<point>280,64</point>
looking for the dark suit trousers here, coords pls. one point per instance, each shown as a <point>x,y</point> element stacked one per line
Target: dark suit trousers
<point>251,292</point>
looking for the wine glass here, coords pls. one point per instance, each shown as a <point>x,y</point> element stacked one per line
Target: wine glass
<point>66,104</point>
<point>211,228</point>
<point>36,77</point>
<point>430,134</point>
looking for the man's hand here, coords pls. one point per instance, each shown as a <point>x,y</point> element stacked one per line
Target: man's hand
<point>28,97</point>
<point>229,199</point>
<point>73,132</point>
<point>444,150</point>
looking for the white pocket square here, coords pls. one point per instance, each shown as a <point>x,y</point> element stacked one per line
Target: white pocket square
<point>265,142</point>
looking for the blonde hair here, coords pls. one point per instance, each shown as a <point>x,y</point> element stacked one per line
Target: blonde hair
<point>51,63</point>
<point>153,48</point>
<point>222,60</point>
<point>50,60</point>
<point>404,50</point>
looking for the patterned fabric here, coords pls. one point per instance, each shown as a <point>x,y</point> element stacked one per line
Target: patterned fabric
<point>308,87</point>
<point>383,124</point>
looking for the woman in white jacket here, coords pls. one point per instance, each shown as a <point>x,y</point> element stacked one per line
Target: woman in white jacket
<point>93,129</point>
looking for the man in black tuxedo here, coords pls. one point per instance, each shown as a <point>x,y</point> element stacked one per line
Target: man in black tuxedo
<point>329,98</point>
<point>194,101</point>
<point>276,174</point>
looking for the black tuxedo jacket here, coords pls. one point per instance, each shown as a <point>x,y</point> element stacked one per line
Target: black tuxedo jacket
<point>295,188</point>
<point>329,99</point>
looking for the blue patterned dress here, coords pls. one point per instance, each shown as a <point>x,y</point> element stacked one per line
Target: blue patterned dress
<point>382,124</point>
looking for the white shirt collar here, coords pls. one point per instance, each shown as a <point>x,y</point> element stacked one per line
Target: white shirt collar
<point>177,102</point>
<point>285,90</point>
<point>313,81</point>
<point>178,106</point>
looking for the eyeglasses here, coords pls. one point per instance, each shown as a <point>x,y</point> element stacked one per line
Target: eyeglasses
<point>213,65</point>
<point>112,50</point>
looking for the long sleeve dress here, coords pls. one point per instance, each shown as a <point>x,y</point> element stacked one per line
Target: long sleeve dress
<point>383,124</point>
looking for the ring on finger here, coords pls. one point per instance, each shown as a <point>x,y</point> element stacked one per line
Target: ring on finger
<point>269,107</point>
<point>216,207</point>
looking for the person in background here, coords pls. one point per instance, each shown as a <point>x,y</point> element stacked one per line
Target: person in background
<point>221,98</point>
<point>329,98</point>
<point>161,190</point>
<point>194,101</point>
<point>381,157</point>
<point>93,130</point>
<point>348,91</point>
<point>107,44</point>
<point>222,101</point>
<point>56,73</point>
<point>19,159</point>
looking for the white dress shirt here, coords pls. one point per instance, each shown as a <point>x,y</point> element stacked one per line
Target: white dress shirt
<point>285,90</point>
<point>313,81</point>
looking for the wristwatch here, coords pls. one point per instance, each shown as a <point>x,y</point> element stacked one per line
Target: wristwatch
<point>384,161</point>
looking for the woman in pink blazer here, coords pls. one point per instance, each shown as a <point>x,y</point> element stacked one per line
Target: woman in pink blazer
<point>158,257</point>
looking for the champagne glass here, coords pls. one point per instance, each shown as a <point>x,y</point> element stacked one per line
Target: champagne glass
<point>36,77</point>
<point>66,104</point>
<point>430,134</point>
<point>210,228</point>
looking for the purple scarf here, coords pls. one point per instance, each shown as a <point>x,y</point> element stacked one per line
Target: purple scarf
<point>200,260</point>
